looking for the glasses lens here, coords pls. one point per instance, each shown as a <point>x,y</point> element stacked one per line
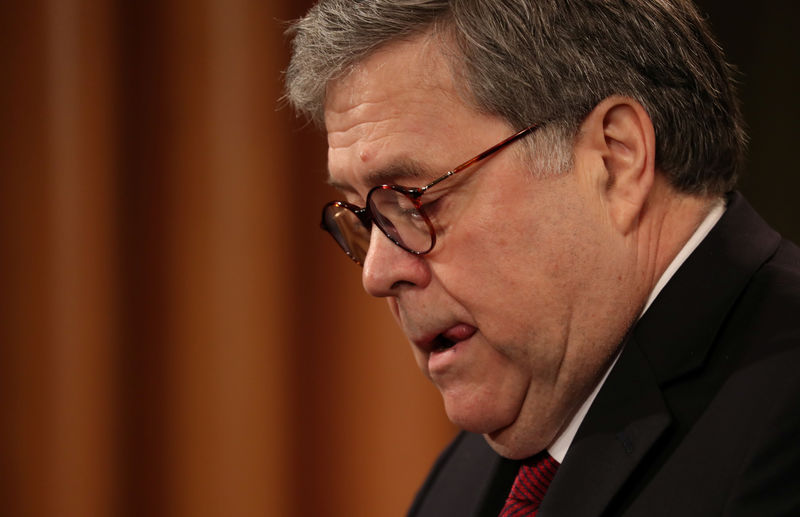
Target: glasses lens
<point>397,216</point>
<point>346,228</point>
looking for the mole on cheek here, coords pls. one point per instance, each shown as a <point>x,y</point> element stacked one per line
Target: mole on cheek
<point>364,155</point>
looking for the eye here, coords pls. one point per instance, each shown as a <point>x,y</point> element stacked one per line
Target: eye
<point>428,210</point>
<point>431,206</point>
<point>406,210</point>
<point>400,206</point>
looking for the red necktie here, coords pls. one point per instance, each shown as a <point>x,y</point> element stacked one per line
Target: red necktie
<point>531,483</point>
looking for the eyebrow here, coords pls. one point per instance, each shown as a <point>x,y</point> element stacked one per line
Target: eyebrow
<point>405,170</point>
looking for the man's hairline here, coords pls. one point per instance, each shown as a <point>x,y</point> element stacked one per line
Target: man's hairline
<point>440,32</point>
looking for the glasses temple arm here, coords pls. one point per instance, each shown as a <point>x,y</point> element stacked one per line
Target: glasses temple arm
<point>484,154</point>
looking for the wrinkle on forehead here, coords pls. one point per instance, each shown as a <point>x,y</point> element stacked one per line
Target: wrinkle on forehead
<point>364,128</point>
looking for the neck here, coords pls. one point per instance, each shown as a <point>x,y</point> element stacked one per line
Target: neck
<point>666,223</point>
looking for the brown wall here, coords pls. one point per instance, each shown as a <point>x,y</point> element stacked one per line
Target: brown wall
<point>177,338</point>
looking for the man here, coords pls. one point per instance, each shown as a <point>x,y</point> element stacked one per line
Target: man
<point>600,312</point>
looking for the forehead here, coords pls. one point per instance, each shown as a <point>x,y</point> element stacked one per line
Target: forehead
<point>398,115</point>
<point>388,84</point>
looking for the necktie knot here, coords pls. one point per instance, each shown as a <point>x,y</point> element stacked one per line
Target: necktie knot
<point>530,485</point>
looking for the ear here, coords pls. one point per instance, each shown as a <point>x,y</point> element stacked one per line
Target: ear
<point>620,134</point>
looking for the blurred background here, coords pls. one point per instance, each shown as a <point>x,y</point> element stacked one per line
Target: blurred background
<point>177,337</point>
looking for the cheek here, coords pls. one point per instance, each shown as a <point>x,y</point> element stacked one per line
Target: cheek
<point>394,308</point>
<point>518,280</point>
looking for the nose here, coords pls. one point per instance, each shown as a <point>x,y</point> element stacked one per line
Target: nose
<point>388,269</point>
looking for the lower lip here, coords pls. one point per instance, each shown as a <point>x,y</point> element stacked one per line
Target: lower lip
<point>439,361</point>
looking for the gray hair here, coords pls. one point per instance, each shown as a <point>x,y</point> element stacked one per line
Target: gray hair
<point>531,61</point>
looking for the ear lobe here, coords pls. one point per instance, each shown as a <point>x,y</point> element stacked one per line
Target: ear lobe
<point>627,148</point>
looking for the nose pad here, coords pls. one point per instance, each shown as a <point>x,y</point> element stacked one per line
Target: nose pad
<point>388,268</point>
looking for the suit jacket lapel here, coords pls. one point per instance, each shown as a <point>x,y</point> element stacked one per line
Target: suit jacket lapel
<point>678,330</point>
<point>672,339</point>
<point>625,420</point>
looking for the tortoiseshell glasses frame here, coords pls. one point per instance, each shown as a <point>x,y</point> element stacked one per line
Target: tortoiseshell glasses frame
<point>396,210</point>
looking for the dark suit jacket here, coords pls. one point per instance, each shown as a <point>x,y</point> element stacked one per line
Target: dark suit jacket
<point>699,417</point>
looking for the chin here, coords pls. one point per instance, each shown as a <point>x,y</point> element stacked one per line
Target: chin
<point>481,409</point>
<point>517,442</point>
<point>477,418</point>
<point>474,423</point>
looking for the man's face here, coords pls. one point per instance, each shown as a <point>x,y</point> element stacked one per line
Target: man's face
<point>509,315</point>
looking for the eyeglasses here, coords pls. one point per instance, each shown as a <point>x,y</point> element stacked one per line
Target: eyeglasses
<point>397,211</point>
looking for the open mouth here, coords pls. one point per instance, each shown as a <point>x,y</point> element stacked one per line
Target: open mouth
<point>442,343</point>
